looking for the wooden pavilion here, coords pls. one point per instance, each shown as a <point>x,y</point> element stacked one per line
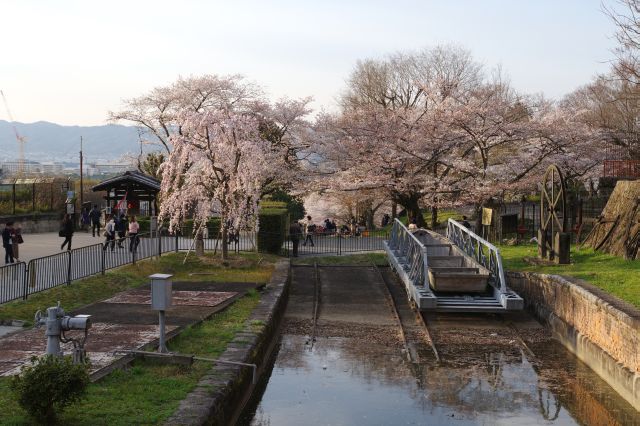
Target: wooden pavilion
<point>131,193</point>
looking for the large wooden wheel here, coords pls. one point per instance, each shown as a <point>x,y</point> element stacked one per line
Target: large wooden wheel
<point>553,202</point>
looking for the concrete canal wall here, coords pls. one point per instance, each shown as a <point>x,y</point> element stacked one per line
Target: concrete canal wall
<point>599,329</point>
<point>219,393</point>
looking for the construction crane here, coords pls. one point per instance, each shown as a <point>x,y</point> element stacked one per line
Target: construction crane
<point>19,138</point>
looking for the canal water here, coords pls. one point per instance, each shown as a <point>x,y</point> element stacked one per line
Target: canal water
<point>356,373</point>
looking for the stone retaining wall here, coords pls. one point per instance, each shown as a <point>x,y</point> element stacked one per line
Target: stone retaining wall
<point>599,329</point>
<point>35,224</point>
<point>218,393</point>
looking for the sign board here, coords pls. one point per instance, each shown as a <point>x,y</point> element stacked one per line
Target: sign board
<point>71,195</point>
<point>71,209</point>
<point>487,216</point>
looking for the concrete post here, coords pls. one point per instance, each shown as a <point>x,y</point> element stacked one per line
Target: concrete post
<point>542,244</point>
<point>562,248</point>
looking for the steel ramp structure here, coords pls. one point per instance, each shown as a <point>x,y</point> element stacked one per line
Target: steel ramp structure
<point>460,273</point>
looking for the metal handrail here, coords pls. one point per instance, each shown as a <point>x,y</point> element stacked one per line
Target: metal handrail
<point>409,246</point>
<point>476,247</point>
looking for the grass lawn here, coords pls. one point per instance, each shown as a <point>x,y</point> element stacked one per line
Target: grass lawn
<point>612,274</point>
<point>148,393</point>
<point>443,216</point>
<point>245,267</point>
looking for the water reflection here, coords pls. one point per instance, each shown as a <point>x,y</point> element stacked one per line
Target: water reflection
<point>345,381</point>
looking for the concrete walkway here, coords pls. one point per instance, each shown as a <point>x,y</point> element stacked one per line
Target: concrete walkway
<point>40,245</point>
<point>125,321</point>
<point>6,329</point>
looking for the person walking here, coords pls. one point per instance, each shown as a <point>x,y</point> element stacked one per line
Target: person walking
<point>309,228</point>
<point>134,228</point>
<point>7,242</point>
<point>295,231</point>
<point>66,231</point>
<point>17,240</point>
<point>121,228</point>
<point>110,234</point>
<point>85,220</point>
<point>94,215</point>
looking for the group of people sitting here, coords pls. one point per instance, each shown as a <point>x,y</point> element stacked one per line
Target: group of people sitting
<point>330,227</point>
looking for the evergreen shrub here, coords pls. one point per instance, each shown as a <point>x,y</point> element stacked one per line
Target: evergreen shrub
<point>273,230</point>
<point>50,384</point>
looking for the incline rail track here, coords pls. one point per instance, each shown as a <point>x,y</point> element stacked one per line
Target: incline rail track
<point>414,320</point>
<point>316,304</point>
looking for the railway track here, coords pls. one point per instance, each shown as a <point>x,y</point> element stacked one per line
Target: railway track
<point>518,337</point>
<point>451,337</point>
<point>414,330</point>
<point>316,304</point>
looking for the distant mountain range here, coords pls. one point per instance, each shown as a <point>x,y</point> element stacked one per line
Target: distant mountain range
<point>53,142</point>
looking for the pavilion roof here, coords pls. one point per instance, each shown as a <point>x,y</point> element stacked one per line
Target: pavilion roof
<point>130,179</point>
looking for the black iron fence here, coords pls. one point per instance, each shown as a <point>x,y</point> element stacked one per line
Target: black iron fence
<point>336,244</point>
<point>19,280</point>
<point>580,214</point>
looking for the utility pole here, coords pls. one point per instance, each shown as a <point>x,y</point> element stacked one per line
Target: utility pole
<point>81,183</point>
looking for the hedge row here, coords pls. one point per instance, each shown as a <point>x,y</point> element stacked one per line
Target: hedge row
<point>213,226</point>
<point>273,230</point>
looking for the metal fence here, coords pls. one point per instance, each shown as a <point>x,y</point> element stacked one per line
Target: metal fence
<point>12,281</point>
<point>581,213</point>
<point>19,280</point>
<point>335,243</point>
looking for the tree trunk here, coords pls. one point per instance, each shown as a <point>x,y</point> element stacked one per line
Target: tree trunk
<point>409,201</point>
<point>369,219</point>
<point>434,217</point>
<point>478,210</point>
<point>199,244</point>
<point>394,210</point>
<point>414,212</point>
<point>225,242</point>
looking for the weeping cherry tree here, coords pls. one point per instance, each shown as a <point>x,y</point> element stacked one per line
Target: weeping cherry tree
<point>217,167</point>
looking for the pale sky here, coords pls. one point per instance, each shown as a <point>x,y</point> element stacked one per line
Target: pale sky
<point>70,62</point>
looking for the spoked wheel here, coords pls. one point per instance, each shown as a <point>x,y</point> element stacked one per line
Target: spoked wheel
<point>553,204</point>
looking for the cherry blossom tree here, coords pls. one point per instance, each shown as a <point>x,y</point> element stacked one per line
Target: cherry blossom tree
<point>218,165</point>
<point>626,18</point>
<point>447,135</point>
<point>391,134</point>
<point>159,110</point>
<point>282,122</point>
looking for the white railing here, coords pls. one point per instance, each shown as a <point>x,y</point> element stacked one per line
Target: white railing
<point>481,250</point>
<point>408,246</point>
